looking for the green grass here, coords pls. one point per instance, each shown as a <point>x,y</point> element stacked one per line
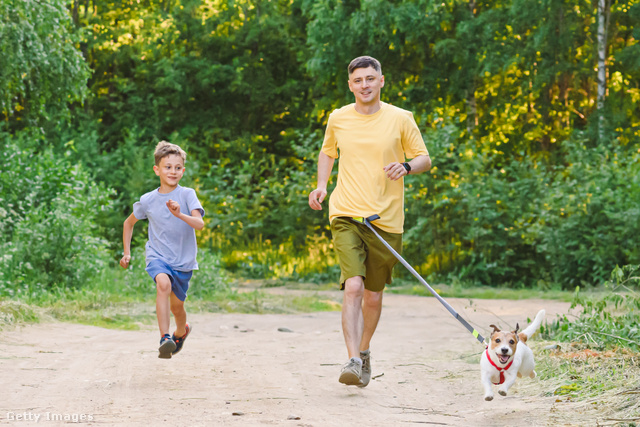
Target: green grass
<point>413,287</point>
<point>125,299</point>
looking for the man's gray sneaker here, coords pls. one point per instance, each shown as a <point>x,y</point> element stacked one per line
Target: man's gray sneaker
<point>351,373</point>
<point>366,368</point>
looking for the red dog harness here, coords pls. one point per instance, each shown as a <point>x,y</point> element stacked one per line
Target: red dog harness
<point>498,368</point>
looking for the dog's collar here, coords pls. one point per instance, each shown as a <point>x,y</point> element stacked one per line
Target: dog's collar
<point>501,370</point>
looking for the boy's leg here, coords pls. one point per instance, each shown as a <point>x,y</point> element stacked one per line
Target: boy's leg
<point>163,291</point>
<point>179,315</point>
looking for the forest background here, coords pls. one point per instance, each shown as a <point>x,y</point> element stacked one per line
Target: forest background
<point>530,110</point>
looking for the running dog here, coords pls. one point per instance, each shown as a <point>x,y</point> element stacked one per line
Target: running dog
<point>507,357</point>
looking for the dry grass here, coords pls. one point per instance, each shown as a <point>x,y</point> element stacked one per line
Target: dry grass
<point>600,388</point>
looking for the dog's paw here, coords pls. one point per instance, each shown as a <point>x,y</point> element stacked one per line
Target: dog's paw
<point>502,392</point>
<point>489,397</point>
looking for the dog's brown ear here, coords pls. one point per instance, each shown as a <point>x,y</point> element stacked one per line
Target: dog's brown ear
<point>516,332</point>
<point>495,329</point>
<point>522,337</point>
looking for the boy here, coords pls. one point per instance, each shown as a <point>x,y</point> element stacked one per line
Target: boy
<point>174,213</point>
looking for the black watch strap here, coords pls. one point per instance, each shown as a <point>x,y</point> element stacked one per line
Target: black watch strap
<point>407,166</point>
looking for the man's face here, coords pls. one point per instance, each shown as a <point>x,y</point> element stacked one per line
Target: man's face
<point>365,83</point>
<point>170,170</point>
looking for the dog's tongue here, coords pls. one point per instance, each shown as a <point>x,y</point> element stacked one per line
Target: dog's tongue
<point>503,359</point>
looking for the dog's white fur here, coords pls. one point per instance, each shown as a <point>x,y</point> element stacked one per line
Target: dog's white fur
<point>504,348</point>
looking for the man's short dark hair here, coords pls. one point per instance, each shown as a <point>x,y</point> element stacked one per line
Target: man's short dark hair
<point>365,62</point>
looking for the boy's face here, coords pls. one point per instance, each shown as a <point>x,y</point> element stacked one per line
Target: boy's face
<point>170,170</point>
<point>365,83</point>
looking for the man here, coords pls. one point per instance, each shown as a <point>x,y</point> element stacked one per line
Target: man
<point>373,138</point>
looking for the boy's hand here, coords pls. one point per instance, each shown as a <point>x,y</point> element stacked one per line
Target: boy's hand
<point>174,207</point>
<point>124,262</point>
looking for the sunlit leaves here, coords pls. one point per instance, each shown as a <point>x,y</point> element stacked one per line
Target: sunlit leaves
<point>42,70</point>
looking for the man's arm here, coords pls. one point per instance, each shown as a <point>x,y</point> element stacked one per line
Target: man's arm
<point>418,165</point>
<point>317,196</point>
<point>194,221</point>
<point>127,232</point>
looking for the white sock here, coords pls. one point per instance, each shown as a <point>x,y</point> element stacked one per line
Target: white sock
<point>357,360</point>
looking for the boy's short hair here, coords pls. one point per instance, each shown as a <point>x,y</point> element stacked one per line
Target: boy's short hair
<point>365,62</point>
<point>164,149</point>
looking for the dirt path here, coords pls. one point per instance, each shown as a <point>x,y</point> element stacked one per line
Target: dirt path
<point>239,370</point>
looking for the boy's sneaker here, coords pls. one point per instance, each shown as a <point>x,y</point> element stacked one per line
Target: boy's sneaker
<point>180,341</point>
<point>366,368</point>
<point>167,345</point>
<point>351,373</point>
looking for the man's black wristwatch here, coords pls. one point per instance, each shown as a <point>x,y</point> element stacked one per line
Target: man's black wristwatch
<point>407,166</point>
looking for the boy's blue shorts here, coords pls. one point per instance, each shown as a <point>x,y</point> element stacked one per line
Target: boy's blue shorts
<point>179,279</point>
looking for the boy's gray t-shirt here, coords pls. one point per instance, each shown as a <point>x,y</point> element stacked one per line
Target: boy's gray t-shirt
<point>170,239</point>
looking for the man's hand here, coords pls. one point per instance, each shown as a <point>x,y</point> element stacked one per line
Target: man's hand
<point>395,171</point>
<point>124,262</point>
<point>174,207</point>
<point>316,197</point>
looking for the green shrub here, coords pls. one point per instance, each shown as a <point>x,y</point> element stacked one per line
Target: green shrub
<point>48,230</point>
<point>524,222</point>
<point>607,321</point>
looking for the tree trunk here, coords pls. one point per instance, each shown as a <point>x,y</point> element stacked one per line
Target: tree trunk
<point>472,108</point>
<point>74,14</point>
<point>604,6</point>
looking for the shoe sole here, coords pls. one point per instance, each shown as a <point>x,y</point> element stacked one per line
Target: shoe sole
<point>363,383</point>
<point>349,378</point>
<point>166,349</point>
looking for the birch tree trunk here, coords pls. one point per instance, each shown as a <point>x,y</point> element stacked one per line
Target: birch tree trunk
<point>603,21</point>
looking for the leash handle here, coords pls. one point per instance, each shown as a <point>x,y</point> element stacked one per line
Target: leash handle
<point>367,222</point>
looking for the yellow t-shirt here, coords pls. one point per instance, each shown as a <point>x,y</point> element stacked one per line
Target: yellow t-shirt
<point>367,143</point>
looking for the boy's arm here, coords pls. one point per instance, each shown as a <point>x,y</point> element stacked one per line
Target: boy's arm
<point>195,220</point>
<point>127,232</point>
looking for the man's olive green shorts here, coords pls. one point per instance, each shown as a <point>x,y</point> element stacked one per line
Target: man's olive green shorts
<point>361,253</point>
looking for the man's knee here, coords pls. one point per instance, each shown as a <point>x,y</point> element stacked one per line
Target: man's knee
<point>372,299</point>
<point>354,287</point>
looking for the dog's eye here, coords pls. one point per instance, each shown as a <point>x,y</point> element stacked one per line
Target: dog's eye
<point>512,342</point>
<point>497,340</point>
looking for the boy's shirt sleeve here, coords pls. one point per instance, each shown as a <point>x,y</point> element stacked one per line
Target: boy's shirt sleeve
<point>193,203</point>
<point>139,210</point>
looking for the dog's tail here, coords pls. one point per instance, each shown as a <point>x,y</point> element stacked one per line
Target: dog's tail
<point>533,327</point>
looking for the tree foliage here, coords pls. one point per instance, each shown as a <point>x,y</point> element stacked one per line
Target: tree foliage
<point>524,189</point>
<point>48,222</point>
<point>42,70</point>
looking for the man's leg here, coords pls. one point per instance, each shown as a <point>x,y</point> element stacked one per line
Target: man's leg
<point>352,320</point>
<point>371,310</point>
<point>163,290</point>
<point>179,315</point>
